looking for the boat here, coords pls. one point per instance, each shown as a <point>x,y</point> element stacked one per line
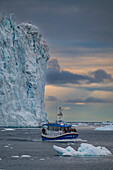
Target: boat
<point>58,130</point>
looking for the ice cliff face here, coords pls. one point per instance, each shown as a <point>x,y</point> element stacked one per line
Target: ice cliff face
<point>23,57</point>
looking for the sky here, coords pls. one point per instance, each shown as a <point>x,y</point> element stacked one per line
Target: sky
<point>79,34</point>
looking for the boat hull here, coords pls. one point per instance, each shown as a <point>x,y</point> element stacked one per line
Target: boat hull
<point>65,136</point>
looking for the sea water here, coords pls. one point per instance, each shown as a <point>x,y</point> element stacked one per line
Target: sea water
<point>23,149</point>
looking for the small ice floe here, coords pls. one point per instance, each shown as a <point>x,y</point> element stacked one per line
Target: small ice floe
<point>16,156</point>
<point>25,156</point>
<point>85,149</point>
<point>105,128</point>
<point>42,159</point>
<point>0,159</point>
<point>8,146</point>
<point>8,129</point>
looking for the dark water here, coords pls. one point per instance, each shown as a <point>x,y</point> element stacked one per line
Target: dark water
<point>43,157</point>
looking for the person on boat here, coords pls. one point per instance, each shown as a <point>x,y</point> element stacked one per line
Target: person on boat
<point>65,131</point>
<point>70,130</point>
<point>74,130</point>
<point>44,131</point>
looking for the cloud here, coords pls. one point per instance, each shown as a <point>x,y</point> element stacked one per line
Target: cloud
<point>69,20</point>
<point>75,48</point>
<point>67,108</point>
<point>101,88</point>
<point>89,100</point>
<point>100,76</point>
<point>54,65</point>
<point>51,98</point>
<point>55,75</point>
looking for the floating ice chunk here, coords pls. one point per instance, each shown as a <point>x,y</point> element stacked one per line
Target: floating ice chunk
<point>70,150</point>
<point>90,150</point>
<point>15,156</point>
<point>25,156</point>
<point>6,146</point>
<point>0,159</point>
<point>62,151</point>
<point>85,149</point>
<point>107,127</point>
<point>42,159</point>
<point>8,129</point>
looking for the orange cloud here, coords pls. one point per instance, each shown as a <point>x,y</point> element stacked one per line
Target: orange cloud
<point>83,65</point>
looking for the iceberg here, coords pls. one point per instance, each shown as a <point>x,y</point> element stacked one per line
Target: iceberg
<point>105,128</point>
<point>23,57</point>
<point>85,149</point>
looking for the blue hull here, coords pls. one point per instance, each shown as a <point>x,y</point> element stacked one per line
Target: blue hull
<point>60,137</point>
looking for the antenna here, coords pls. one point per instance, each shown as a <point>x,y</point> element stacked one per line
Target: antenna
<point>56,111</point>
<point>60,114</point>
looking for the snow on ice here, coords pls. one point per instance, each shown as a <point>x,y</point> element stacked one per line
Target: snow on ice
<point>23,58</point>
<point>85,149</point>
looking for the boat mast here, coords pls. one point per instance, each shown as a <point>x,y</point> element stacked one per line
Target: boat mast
<point>60,114</point>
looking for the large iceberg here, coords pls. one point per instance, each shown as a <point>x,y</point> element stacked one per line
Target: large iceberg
<point>23,58</point>
<point>85,149</point>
